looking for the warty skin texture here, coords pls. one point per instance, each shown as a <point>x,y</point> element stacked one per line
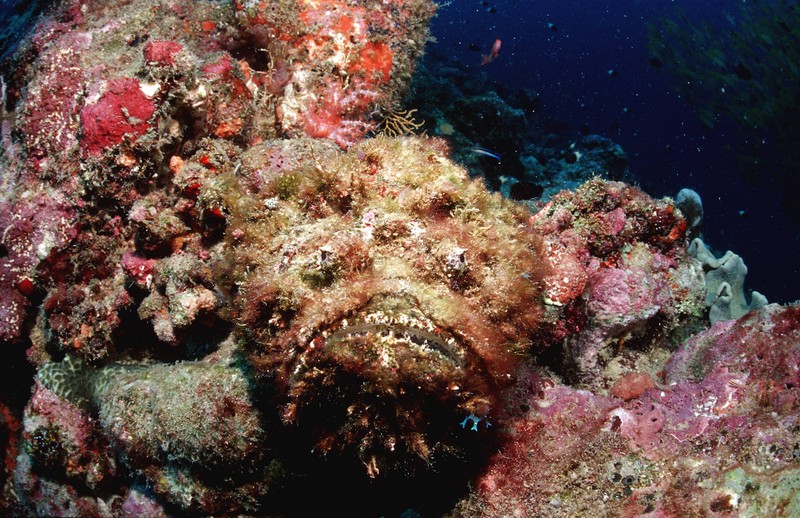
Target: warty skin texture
<point>389,296</point>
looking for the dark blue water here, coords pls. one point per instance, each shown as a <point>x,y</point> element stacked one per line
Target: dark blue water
<point>592,69</point>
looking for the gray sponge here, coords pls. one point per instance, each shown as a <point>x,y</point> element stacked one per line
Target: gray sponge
<point>691,206</point>
<point>725,295</point>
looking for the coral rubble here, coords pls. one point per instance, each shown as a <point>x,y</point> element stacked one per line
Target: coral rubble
<point>230,296</point>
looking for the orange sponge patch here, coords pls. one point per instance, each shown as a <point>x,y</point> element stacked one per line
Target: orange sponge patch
<point>375,61</point>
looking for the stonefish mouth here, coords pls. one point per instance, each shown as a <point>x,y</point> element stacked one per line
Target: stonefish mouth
<point>393,326</point>
<point>376,379</point>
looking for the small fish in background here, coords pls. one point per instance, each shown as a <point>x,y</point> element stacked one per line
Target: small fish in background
<point>488,58</point>
<point>485,152</point>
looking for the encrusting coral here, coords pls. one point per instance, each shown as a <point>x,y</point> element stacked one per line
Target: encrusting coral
<point>718,435</point>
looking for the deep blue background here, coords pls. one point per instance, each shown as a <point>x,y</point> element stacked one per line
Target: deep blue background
<point>636,107</point>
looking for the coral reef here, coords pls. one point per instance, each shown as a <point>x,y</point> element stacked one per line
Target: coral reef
<point>535,160</point>
<point>231,300</point>
<point>32,228</point>
<point>190,429</point>
<point>335,61</point>
<point>717,435</point>
<point>621,275</point>
<point>63,454</point>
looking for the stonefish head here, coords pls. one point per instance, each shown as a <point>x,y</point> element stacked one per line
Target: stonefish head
<point>384,295</point>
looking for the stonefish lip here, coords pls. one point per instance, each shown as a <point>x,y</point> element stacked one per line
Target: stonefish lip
<point>391,323</point>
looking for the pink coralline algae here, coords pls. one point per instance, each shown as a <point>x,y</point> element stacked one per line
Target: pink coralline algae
<point>234,303</point>
<point>50,120</point>
<point>32,229</point>
<point>718,435</point>
<point>227,82</point>
<point>60,437</point>
<point>620,276</point>
<point>161,52</point>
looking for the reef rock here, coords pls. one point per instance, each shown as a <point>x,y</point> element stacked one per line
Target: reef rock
<point>718,435</point>
<point>621,275</point>
<point>334,61</point>
<point>192,421</point>
<point>382,301</point>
